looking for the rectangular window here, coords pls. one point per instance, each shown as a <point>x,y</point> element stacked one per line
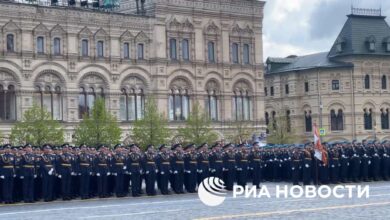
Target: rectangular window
<point>84,48</point>
<point>131,110</point>
<point>246,54</point>
<point>272,91</point>
<point>100,49</point>
<point>140,51</point>
<point>335,85</point>
<point>211,52</point>
<point>212,107</point>
<point>40,45</point>
<point>286,88</point>
<point>122,103</point>
<point>265,91</point>
<point>185,49</point>
<point>306,87</point>
<point>171,108</point>
<point>57,46</point>
<point>235,53</point>
<point>172,49</point>
<point>10,43</point>
<point>126,51</point>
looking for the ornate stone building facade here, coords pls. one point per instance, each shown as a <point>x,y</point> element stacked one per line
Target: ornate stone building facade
<point>345,91</point>
<point>181,51</point>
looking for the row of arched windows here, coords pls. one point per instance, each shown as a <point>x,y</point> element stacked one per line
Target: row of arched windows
<point>7,103</point>
<point>367,82</point>
<point>369,122</point>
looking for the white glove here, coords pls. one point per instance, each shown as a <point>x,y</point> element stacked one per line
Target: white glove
<point>73,173</point>
<point>108,173</point>
<point>2,177</point>
<point>147,172</point>
<point>293,168</point>
<point>175,172</point>
<point>332,166</point>
<point>347,164</point>
<point>79,174</point>
<point>90,173</point>
<point>59,176</point>
<point>307,165</point>
<point>156,171</point>
<point>162,173</point>
<point>98,174</point>
<point>22,177</point>
<point>369,162</point>
<point>125,167</point>
<point>50,171</point>
<point>35,176</point>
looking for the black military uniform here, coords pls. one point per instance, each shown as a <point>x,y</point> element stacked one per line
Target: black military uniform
<point>306,167</point>
<point>229,166</point>
<point>29,172</point>
<point>164,169</point>
<point>255,159</point>
<point>295,167</point>
<point>47,171</point>
<point>215,161</point>
<point>177,165</point>
<point>134,167</point>
<point>242,165</point>
<point>85,169</point>
<point>65,168</point>
<point>7,161</point>
<point>150,170</point>
<point>203,162</point>
<point>102,172</point>
<point>190,168</point>
<point>119,168</point>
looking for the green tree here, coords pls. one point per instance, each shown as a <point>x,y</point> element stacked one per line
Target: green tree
<point>37,128</point>
<point>152,128</point>
<point>98,127</point>
<point>280,131</point>
<point>198,127</point>
<point>242,131</point>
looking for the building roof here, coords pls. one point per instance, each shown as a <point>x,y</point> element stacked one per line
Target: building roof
<point>356,34</point>
<point>318,60</point>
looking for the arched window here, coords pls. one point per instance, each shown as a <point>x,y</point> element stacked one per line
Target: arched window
<point>367,82</point>
<point>10,43</point>
<point>126,51</point>
<point>242,105</point>
<point>84,48</point>
<point>185,49</point>
<point>212,105</point>
<point>274,124</point>
<point>336,120</point>
<point>100,48</point>
<point>246,54</point>
<point>87,99</point>
<point>57,46</point>
<point>172,49</point>
<point>234,53</point>
<point>7,103</point>
<point>288,118</point>
<point>384,82</point>
<point>40,45</point>
<point>385,119</point>
<point>140,51</point>
<point>242,102</point>
<point>368,119</point>
<point>308,121</point>
<point>179,105</point>
<point>211,51</point>
<point>49,100</point>
<point>132,104</point>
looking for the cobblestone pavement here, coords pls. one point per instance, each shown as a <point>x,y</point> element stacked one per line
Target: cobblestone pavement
<point>188,206</point>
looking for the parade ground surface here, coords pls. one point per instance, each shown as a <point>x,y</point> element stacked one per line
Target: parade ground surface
<point>188,206</point>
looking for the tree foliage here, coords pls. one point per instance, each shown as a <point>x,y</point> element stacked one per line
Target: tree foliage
<point>280,131</point>
<point>99,127</point>
<point>242,131</point>
<point>37,128</point>
<point>198,127</point>
<point>152,128</point>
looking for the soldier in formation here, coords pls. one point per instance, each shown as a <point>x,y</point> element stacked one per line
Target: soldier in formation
<point>29,173</point>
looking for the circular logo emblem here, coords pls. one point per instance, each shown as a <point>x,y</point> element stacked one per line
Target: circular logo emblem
<point>212,191</point>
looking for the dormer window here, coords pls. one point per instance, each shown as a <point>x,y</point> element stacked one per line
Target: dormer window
<point>372,46</point>
<point>386,44</point>
<point>371,43</point>
<point>340,43</point>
